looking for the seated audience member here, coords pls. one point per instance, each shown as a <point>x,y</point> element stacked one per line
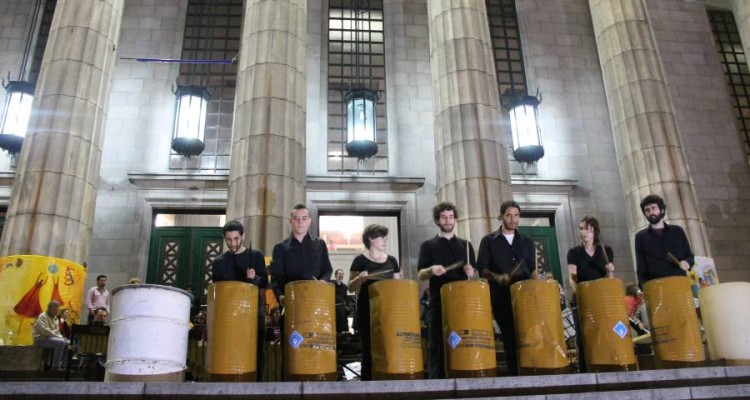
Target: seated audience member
<point>100,317</point>
<point>65,327</point>
<point>46,333</point>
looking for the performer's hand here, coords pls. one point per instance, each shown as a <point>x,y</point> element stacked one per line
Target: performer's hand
<point>250,273</point>
<point>469,271</point>
<point>684,265</point>
<point>437,270</point>
<point>610,267</point>
<point>503,279</point>
<point>362,276</point>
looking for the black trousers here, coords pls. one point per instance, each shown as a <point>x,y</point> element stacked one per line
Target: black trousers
<point>435,339</point>
<point>502,310</point>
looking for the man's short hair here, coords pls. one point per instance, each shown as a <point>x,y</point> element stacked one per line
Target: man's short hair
<point>233,226</point>
<point>373,231</point>
<point>507,204</point>
<point>337,271</point>
<point>444,206</point>
<point>52,304</point>
<point>653,199</point>
<point>100,277</point>
<point>299,206</point>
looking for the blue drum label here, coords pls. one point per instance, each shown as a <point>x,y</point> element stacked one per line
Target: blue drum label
<point>295,339</point>
<point>454,340</point>
<point>620,329</point>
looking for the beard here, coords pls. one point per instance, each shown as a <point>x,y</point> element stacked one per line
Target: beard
<point>446,228</point>
<point>655,219</point>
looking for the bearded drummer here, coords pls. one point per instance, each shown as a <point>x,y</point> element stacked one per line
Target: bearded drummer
<point>435,255</point>
<point>506,256</point>
<point>661,249</point>
<point>244,264</point>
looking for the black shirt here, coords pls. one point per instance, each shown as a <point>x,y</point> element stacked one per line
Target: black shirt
<point>441,251</point>
<point>295,261</point>
<point>589,267</point>
<point>341,290</point>
<point>233,267</point>
<point>652,260</point>
<point>362,263</point>
<point>500,257</point>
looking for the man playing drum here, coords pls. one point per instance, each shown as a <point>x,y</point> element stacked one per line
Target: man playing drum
<point>240,263</point>
<point>506,257</point>
<point>661,250</point>
<point>434,256</point>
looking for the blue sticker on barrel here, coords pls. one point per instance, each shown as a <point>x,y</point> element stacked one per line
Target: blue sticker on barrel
<point>454,340</point>
<point>295,339</point>
<point>620,329</point>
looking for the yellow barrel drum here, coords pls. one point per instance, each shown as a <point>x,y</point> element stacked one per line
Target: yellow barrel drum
<point>726,317</point>
<point>468,335</point>
<point>540,339</point>
<point>674,323</point>
<point>396,338</point>
<point>232,332</point>
<point>607,343</point>
<point>309,331</point>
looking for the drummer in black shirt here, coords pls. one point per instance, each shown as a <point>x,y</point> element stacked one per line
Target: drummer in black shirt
<point>300,256</point>
<point>434,256</point>
<point>240,263</point>
<point>589,261</point>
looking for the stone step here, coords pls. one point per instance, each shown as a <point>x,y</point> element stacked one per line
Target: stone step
<point>689,383</point>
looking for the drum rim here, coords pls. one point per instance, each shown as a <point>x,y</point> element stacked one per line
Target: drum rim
<point>152,286</point>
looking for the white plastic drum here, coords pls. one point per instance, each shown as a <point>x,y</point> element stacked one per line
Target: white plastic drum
<point>148,337</point>
<point>726,318</point>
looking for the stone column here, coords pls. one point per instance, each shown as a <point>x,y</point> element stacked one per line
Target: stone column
<point>267,173</point>
<point>647,143</point>
<point>741,11</point>
<point>472,158</point>
<point>52,204</point>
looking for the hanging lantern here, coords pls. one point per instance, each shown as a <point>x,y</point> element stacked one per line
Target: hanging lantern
<point>16,117</point>
<point>361,122</point>
<point>190,120</point>
<point>524,125</point>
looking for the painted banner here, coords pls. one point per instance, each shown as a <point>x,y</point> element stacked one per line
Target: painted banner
<point>27,284</point>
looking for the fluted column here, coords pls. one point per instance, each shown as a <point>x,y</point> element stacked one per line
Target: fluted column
<point>647,143</point>
<point>472,158</point>
<point>741,11</point>
<point>52,204</point>
<point>267,173</point>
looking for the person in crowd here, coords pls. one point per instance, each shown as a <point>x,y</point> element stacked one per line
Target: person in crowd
<point>661,249</point>
<point>506,256</point>
<point>46,333</point>
<point>100,317</point>
<point>97,297</point>
<point>65,328</point>
<point>588,261</point>
<point>374,264</point>
<point>342,320</point>
<point>435,255</point>
<point>244,264</point>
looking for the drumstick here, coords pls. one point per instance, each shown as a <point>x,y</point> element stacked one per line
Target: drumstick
<point>453,266</point>
<point>606,259</point>
<point>372,274</point>
<point>674,259</point>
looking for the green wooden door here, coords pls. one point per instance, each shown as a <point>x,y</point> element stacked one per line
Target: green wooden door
<point>181,256</point>
<point>547,254</point>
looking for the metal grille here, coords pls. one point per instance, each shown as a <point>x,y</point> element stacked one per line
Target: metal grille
<point>506,45</point>
<point>170,264</point>
<point>212,32</point>
<point>211,250</point>
<point>341,73</point>
<point>41,42</point>
<point>733,61</point>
